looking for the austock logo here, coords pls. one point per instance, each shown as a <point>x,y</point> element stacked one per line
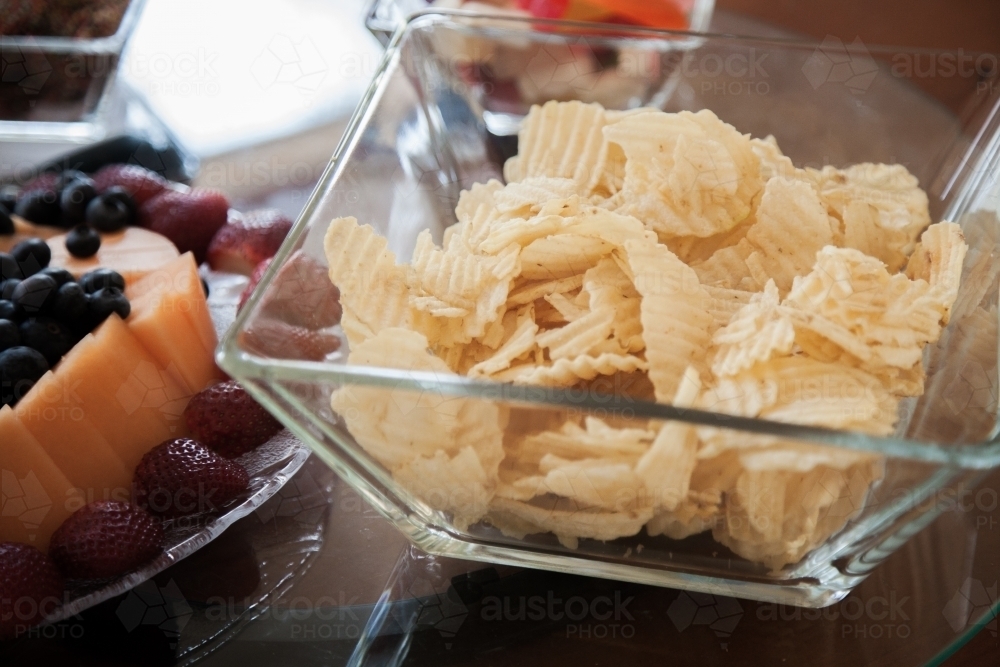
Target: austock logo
<point>720,613</point>
<point>24,499</point>
<point>834,62</point>
<point>149,387</point>
<point>972,603</point>
<point>163,607</point>
<point>27,69</point>
<point>298,65</point>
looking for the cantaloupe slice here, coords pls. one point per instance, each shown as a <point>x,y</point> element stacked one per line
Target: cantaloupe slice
<point>53,413</point>
<point>129,397</point>
<point>170,317</point>
<point>36,496</point>
<point>133,252</point>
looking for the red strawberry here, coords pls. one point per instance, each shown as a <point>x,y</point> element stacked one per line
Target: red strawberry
<point>141,183</point>
<point>105,539</point>
<point>225,418</point>
<point>245,242</point>
<point>255,277</point>
<point>30,588</point>
<point>182,476</point>
<point>272,338</point>
<point>189,219</point>
<point>303,295</point>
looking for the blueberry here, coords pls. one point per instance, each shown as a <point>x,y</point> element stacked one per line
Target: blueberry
<point>74,199</point>
<point>61,276</point>
<point>50,337</point>
<point>71,305</point>
<point>8,197</point>
<point>108,300</point>
<point>110,212</point>
<point>83,242</point>
<point>9,337</point>
<point>40,207</point>
<point>7,288</point>
<point>100,278</point>
<point>6,224</point>
<point>20,368</point>
<point>32,256</point>
<point>9,268</point>
<point>68,176</point>
<point>35,295</point>
<point>204,288</point>
<point>8,311</point>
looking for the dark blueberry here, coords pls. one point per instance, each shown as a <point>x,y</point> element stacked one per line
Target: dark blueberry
<point>50,337</point>
<point>20,369</point>
<point>71,304</point>
<point>40,207</point>
<point>119,193</point>
<point>6,224</point>
<point>32,256</point>
<point>61,276</point>
<point>9,337</point>
<point>83,242</point>
<point>35,295</point>
<point>74,199</point>
<point>110,212</point>
<point>8,197</point>
<point>8,311</point>
<point>109,300</point>
<point>7,288</point>
<point>204,287</point>
<point>8,267</point>
<point>69,176</point>
<point>100,278</point>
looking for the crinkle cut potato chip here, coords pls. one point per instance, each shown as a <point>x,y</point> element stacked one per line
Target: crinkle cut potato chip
<point>657,256</point>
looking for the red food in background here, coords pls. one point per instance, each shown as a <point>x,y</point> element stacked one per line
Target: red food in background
<point>189,219</point>
<point>245,241</point>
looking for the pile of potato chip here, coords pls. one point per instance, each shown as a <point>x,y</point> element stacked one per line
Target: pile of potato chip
<point>669,255</point>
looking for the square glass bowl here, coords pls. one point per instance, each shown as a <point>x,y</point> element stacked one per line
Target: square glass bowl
<point>54,86</point>
<point>423,133</point>
<point>383,17</point>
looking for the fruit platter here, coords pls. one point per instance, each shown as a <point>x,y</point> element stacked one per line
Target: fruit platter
<point>125,448</point>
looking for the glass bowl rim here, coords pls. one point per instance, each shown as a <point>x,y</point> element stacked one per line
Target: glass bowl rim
<point>244,365</point>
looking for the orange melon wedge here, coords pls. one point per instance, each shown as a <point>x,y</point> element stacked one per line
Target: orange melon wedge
<point>37,496</point>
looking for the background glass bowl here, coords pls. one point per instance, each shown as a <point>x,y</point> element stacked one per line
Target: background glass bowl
<point>423,133</point>
<point>54,86</point>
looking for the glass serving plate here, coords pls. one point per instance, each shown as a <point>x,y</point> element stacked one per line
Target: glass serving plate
<point>53,87</point>
<point>424,132</point>
<point>269,466</point>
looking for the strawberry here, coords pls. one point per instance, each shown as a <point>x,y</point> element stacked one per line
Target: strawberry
<point>30,588</point>
<point>189,219</point>
<point>105,539</point>
<point>303,295</point>
<point>225,418</point>
<point>255,277</point>
<point>243,243</point>
<point>273,338</point>
<point>182,476</point>
<point>139,182</point>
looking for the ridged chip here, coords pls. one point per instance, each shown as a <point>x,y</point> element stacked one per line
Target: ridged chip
<point>791,227</point>
<point>564,519</point>
<point>457,484</point>
<point>938,259</point>
<point>372,286</point>
<point>567,372</point>
<point>609,289</point>
<point>675,323</point>
<point>687,174</point>
<point>758,331</point>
